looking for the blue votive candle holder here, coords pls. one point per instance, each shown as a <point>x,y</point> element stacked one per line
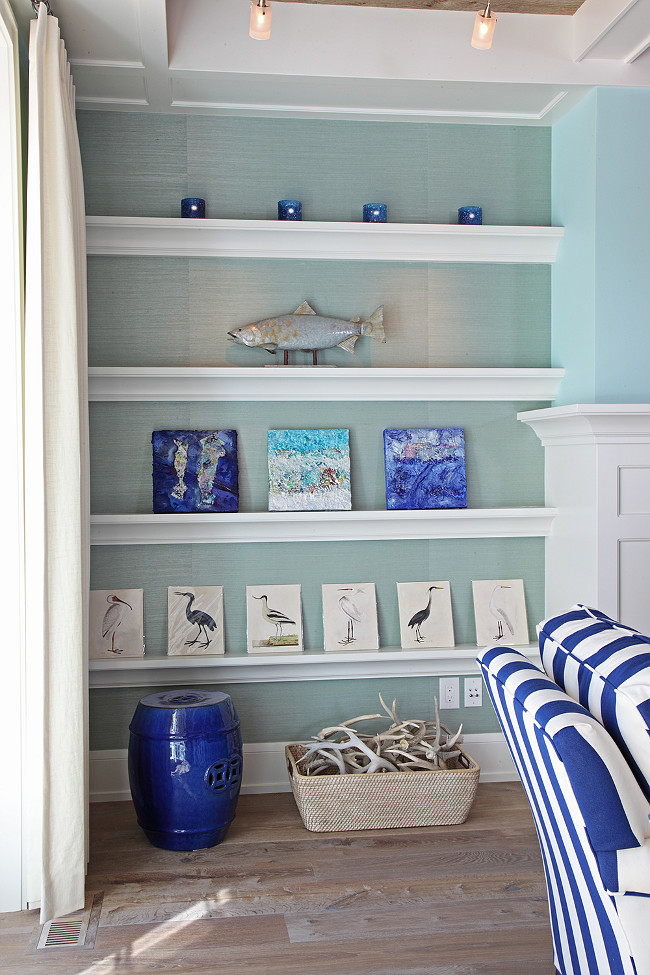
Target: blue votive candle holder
<point>470,214</point>
<point>375,213</point>
<point>289,210</point>
<point>192,206</point>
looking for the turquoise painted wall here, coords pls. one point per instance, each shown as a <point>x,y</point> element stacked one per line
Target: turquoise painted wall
<point>600,335</point>
<point>157,311</point>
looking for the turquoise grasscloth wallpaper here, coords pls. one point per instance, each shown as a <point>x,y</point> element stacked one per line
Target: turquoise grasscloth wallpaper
<point>167,311</point>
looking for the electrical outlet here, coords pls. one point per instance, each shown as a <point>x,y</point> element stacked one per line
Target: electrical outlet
<point>449,692</point>
<point>473,692</point>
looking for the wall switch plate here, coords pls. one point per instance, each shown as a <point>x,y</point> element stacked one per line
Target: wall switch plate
<point>473,692</point>
<point>449,692</point>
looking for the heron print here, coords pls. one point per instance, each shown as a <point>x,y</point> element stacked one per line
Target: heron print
<point>425,615</point>
<point>274,619</point>
<point>195,620</point>
<point>115,623</point>
<point>350,617</point>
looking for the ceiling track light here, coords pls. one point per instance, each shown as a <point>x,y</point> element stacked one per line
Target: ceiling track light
<point>260,23</point>
<point>483,29</point>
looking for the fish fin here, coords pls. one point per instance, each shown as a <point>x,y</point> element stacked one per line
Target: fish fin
<point>271,347</point>
<point>348,344</point>
<point>304,309</point>
<point>356,319</point>
<point>374,327</point>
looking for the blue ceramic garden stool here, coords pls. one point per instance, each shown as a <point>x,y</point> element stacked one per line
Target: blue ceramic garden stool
<point>185,767</point>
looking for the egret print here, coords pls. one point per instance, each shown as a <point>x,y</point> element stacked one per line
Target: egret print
<point>500,612</point>
<point>350,616</point>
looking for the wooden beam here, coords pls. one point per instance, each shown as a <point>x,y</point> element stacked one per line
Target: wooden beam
<point>560,7</point>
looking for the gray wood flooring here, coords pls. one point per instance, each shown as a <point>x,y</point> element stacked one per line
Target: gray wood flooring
<point>276,899</point>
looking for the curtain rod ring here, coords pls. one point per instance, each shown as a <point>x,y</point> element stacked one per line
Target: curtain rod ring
<point>36,4</point>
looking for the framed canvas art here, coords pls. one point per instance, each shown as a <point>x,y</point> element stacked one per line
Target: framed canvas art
<point>194,470</point>
<point>500,612</point>
<point>350,617</point>
<point>309,470</point>
<point>425,468</point>
<point>274,619</point>
<point>425,616</point>
<point>116,627</point>
<point>195,620</point>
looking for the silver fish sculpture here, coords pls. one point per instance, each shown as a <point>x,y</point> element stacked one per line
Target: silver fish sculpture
<point>307,331</point>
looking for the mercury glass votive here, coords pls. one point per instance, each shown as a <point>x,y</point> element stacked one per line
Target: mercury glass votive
<point>470,214</point>
<point>193,206</point>
<point>289,210</point>
<point>375,213</point>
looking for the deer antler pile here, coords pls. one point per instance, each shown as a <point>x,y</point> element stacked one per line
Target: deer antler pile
<point>407,746</point>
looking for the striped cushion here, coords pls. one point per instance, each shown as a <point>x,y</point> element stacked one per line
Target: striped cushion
<point>606,667</point>
<point>588,810</point>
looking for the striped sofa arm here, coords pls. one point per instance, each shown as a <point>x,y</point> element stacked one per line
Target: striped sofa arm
<point>605,666</point>
<point>590,816</point>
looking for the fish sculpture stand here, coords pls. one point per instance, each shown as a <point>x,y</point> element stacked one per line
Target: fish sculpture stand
<point>306,331</point>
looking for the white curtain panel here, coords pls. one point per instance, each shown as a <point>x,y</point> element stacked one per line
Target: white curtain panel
<point>56,478</point>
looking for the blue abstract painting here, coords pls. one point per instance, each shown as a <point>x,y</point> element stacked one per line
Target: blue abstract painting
<point>425,468</point>
<point>194,470</point>
<point>309,470</point>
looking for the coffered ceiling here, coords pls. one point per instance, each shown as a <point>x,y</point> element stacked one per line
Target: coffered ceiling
<point>384,59</point>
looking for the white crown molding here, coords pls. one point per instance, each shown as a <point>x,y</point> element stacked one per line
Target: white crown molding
<point>591,423</point>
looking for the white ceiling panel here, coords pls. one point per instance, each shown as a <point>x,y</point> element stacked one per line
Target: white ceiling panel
<point>100,31</point>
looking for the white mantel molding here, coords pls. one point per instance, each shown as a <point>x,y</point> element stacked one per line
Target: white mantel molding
<point>591,423</point>
<point>239,668</point>
<point>320,240</point>
<point>319,526</point>
<point>320,384</point>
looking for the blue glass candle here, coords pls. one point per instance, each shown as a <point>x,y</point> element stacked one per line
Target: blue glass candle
<point>289,210</point>
<point>470,214</point>
<point>192,206</point>
<point>375,213</point>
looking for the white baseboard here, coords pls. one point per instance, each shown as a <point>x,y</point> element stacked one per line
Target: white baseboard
<point>265,769</point>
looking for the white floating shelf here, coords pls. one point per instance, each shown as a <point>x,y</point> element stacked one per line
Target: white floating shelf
<point>238,668</point>
<point>320,240</point>
<point>326,383</point>
<point>319,526</point>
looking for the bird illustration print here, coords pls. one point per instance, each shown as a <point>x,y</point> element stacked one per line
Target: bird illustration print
<point>198,618</point>
<point>497,607</point>
<point>274,617</point>
<point>422,616</point>
<point>113,618</point>
<point>352,610</point>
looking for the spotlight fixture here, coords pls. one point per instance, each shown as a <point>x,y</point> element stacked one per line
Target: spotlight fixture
<point>483,29</point>
<point>260,24</point>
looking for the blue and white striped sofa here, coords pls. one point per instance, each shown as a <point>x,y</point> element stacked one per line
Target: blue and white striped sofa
<point>588,782</point>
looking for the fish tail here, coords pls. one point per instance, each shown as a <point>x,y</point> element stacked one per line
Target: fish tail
<point>374,327</point>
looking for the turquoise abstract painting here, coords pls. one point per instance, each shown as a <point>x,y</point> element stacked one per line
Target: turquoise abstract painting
<point>309,470</point>
<point>425,468</point>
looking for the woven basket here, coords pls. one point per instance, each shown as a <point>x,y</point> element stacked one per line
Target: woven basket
<point>383,800</point>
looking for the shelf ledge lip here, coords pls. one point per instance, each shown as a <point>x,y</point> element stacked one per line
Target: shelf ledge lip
<point>320,384</point>
<point>272,668</point>
<point>323,526</point>
<point>320,240</point>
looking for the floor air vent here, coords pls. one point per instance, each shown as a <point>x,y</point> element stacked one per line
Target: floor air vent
<point>70,931</point>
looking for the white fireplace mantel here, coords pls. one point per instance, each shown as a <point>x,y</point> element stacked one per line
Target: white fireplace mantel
<point>597,476</point>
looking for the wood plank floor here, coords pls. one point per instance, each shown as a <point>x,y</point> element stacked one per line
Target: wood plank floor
<point>275,899</point>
